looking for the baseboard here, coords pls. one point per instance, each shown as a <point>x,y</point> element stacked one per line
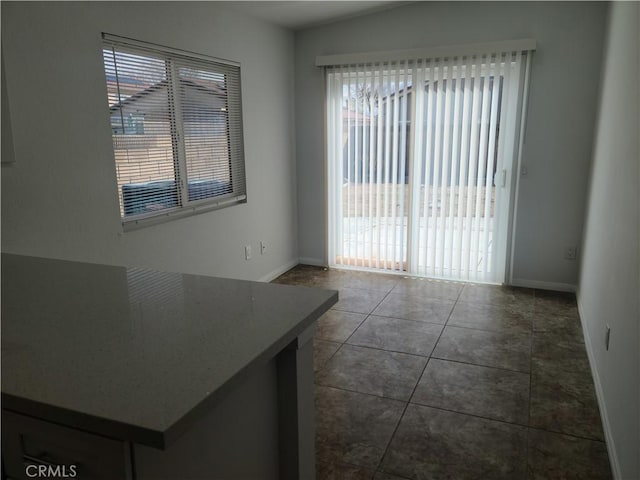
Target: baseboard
<point>555,286</point>
<point>611,447</point>
<point>272,275</point>
<point>317,262</point>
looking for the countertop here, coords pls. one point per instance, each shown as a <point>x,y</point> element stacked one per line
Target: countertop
<point>137,354</point>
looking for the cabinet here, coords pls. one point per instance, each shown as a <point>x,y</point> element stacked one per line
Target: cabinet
<point>246,436</point>
<point>69,452</point>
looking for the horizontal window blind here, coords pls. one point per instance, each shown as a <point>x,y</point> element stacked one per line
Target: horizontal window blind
<point>420,160</point>
<point>177,130</point>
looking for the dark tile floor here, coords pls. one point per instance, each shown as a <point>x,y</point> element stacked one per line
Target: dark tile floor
<point>422,379</point>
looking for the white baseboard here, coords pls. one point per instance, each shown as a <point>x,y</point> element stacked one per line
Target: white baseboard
<point>606,426</point>
<point>556,286</point>
<point>317,262</point>
<point>272,275</point>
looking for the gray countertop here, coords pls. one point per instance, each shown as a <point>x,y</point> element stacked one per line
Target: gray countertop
<point>136,354</point>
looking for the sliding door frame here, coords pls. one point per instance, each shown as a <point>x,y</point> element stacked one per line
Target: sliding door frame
<point>510,167</point>
<point>523,104</point>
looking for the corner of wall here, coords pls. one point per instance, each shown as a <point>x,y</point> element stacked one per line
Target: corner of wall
<point>316,262</point>
<point>273,274</point>
<point>555,286</point>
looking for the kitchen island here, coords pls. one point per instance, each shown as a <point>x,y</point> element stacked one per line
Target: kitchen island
<point>133,373</point>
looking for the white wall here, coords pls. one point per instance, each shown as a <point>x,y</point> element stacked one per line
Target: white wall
<point>609,288</point>
<point>60,199</point>
<point>560,122</point>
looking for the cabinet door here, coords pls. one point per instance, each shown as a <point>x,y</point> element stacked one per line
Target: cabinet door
<point>29,444</point>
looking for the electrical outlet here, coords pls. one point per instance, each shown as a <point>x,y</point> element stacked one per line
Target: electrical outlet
<point>263,247</point>
<point>607,337</point>
<point>570,253</point>
<point>247,252</point>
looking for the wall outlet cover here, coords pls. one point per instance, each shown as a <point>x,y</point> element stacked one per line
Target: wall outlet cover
<point>570,253</point>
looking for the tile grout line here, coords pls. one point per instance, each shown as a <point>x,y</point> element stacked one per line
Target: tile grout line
<point>473,415</point>
<point>326,361</point>
<point>481,417</point>
<point>505,331</point>
<point>529,467</point>
<point>504,369</point>
<point>572,435</point>
<point>404,411</point>
<point>368,314</point>
<point>389,351</point>
<point>343,343</point>
<point>423,322</point>
<point>343,389</point>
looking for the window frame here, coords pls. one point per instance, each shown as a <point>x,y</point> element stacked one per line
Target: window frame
<point>175,59</point>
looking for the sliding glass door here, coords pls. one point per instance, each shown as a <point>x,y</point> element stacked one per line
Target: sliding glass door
<point>420,160</point>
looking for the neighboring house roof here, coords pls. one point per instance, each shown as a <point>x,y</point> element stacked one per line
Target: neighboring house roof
<point>145,96</point>
<point>352,116</point>
<point>124,80</point>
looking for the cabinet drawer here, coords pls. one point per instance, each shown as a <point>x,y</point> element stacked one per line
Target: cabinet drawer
<point>28,441</point>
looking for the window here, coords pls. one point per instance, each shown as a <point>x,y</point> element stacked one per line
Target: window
<point>176,125</point>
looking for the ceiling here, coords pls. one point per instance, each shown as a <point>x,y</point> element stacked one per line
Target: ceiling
<point>297,15</point>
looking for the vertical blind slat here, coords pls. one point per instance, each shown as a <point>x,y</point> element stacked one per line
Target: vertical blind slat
<point>387,165</point>
<point>437,146</point>
<point>464,154</point>
<point>379,126</point>
<point>334,129</point>
<point>437,159</point>
<point>478,268</point>
<point>470,184</point>
<point>371,166</point>
<point>427,162</point>
<point>446,147</point>
<point>394,170</point>
<point>455,160</point>
<point>363,157</point>
<point>403,164</point>
<point>487,230</point>
<point>349,170</point>
<point>417,143</point>
<point>357,164</point>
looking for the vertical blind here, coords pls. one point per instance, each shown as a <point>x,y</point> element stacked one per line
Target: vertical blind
<point>177,129</point>
<point>420,154</point>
